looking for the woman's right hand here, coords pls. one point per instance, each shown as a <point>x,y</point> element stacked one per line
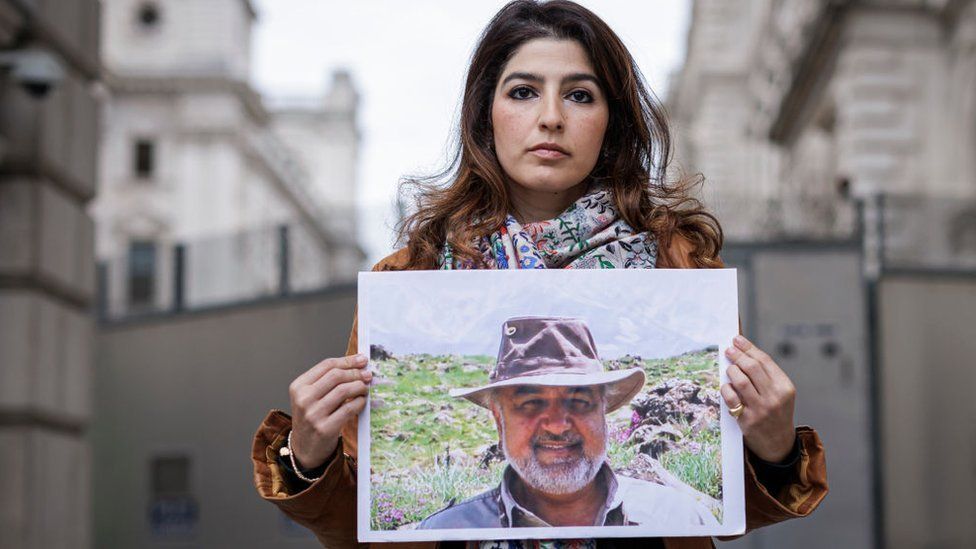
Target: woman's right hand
<point>323,399</point>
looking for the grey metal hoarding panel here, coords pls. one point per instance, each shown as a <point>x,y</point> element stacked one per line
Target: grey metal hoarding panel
<point>805,306</point>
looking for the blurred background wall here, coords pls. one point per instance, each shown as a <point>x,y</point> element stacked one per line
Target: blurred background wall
<point>836,139</point>
<point>179,400</point>
<point>49,63</point>
<point>794,109</point>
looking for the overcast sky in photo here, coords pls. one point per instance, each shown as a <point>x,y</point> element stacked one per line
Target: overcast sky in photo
<point>652,313</point>
<point>407,60</point>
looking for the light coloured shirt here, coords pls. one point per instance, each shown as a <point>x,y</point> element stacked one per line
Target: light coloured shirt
<point>629,502</point>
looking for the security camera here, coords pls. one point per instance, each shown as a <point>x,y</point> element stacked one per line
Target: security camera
<point>36,70</point>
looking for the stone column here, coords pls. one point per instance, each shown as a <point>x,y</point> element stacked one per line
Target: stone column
<point>49,136</point>
<point>889,75</point>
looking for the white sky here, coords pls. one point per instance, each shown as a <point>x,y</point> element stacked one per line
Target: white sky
<point>653,313</point>
<point>408,58</point>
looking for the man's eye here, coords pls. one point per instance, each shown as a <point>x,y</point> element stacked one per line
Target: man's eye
<point>580,405</point>
<point>581,96</point>
<point>534,404</point>
<point>521,93</point>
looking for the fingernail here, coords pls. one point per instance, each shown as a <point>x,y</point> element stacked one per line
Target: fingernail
<point>729,351</point>
<point>360,359</point>
<point>739,340</point>
<point>367,375</point>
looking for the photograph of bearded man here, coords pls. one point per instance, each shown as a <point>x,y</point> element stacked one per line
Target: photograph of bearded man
<point>549,395</point>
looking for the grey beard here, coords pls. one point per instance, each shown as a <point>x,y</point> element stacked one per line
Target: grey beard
<point>559,478</point>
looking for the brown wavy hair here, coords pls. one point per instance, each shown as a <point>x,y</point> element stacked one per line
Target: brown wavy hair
<point>469,199</point>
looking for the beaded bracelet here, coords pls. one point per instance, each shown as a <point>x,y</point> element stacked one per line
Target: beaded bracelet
<point>287,451</point>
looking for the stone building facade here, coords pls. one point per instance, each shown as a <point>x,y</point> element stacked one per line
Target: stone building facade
<point>792,108</point>
<point>192,155</point>
<point>49,71</point>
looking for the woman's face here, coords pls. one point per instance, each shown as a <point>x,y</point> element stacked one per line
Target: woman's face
<point>549,116</point>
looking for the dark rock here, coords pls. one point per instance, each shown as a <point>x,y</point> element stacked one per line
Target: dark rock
<point>655,440</point>
<point>378,352</point>
<point>624,362</point>
<point>489,455</point>
<point>648,432</point>
<point>675,401</point>
<point>656,447</point>
<point>643,467</point>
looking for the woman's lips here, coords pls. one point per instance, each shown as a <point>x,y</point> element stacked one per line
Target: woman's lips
<point>548,154</point>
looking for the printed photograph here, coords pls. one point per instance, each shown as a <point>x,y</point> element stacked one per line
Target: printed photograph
<point>566,409</point>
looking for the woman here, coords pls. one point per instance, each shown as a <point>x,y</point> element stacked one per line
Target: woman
<point>560,164</point>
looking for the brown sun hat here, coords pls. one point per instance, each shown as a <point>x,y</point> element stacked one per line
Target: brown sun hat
<point>553,351</point>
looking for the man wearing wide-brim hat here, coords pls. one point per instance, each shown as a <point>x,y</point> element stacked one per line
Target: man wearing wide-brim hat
<point>549,395</point>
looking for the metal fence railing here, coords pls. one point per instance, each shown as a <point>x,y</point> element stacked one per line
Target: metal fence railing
<point>895,231</point>
<point>753,219</point>
<point>927,232</point>
<point>219,270</point>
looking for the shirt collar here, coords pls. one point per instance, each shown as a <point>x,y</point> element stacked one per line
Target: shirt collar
<point>516,515</point>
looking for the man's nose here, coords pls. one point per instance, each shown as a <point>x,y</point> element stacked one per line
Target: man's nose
<point>556,420</point>
<point>551,118</point>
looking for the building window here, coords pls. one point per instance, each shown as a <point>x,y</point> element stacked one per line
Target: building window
<point>147,15</point>
<point>144,158</point>
<point>142,273</point>
<point>170,476</point>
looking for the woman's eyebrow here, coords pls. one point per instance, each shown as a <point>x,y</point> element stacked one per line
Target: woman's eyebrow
<point>580,77</point>
<point>531,77</point>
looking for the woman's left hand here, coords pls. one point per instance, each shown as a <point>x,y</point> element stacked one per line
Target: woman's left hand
<point>758,383</point>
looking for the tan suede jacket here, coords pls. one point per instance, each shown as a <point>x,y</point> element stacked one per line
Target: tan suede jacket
<point>328,507</point>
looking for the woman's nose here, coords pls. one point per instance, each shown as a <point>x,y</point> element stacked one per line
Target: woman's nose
<point>551,117</point>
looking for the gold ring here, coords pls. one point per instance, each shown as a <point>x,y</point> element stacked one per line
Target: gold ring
<point>737,411</point>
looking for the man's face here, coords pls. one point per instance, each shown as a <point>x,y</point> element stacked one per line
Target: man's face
<point>554,437</point>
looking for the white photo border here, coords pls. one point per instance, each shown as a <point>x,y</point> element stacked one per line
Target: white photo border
<point>733,474</point>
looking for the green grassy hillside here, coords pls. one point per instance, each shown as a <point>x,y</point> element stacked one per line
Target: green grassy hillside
<point>427,446</point>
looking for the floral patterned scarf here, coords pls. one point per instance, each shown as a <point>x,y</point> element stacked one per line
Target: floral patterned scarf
<point>589,235</point>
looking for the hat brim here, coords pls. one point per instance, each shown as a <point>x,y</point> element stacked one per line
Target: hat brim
<point>622,385</point>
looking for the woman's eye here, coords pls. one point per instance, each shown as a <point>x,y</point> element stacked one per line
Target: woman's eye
<point>581,96</point>
<point>521,93</point>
